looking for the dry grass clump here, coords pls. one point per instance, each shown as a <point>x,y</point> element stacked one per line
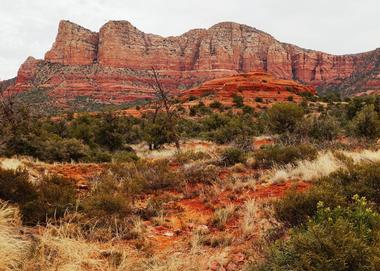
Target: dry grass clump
<point>222,215</point>
<point>201,173</point>
<point>13,249</point>
<point>55,248</point>
<point>190,156</point>
<point>323,165</point>
<point>54,252</point>
<point>250,216</point>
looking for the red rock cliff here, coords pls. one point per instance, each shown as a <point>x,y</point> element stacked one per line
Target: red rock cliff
<point>74,45</point>
<point>111,65</point>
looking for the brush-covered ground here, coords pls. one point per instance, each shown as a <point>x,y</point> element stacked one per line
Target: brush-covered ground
<point>287,187</point>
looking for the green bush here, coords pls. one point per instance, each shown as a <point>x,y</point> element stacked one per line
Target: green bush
<point>238,100</point>
<point>278,154</point>
<point>63,150</point>
<point>106,205</point>
<point>15,186</point>
<point>56,195</point>
<point>296,208</point>
<point>224,128</point>
<point>283,117</point>
<point>158,133</point>
<point>324,128</point>
<point>108,198</point>
<point>232,156</point>
<point>248,110</point>
<point>335,239</point>
<point>124,157</point>
<point>366,123</point>
<point>98,156</point>
<point>147,176</point>
<point>200,173</point>
<point>49,198</point>
<point>259,100</point>
<point>362,179</point>
<point>216,105</point>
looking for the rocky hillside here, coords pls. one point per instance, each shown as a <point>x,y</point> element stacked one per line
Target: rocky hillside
<point>255,88</point>
<point>110,66</point>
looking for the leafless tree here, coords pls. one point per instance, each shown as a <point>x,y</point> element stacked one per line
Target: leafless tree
<point>163,102</point>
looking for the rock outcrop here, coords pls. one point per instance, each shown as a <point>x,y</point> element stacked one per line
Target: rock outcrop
<point>113,65</point>
<point>254,87</point>
<point>74,45</point>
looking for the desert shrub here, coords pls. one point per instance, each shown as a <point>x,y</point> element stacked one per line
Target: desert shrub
<point>247,109</point>
<point>114,131</point>
<point>84,128</point>
<point>124,157</point>
<point>62,150</point>
<point>216,105</point>
<point>243,142</point>
<point>278,154</point>
<point>224,128</point>
<point>366,123</point>
<point>238,100</point>
<point>105,205</point>
<point>216,240</point>
<point>296,207</point>
<point>356,104</point>
<point>190,156</point>
<point>222,215</point>
<point>50,198</point>
<point>98,156</point>
<point>192,98</point>
<point>200,109</point>
<point>342,238</point>
<point>107,198</point>
<point>15,186</point>
<point>362,179</point>
<point>336,189</point>
<point>232,156</point>
<point>158,175</point>
<point>158,133</point>
<point>259,100</point>
<point>192,111</point>
<point>290,98</point>
<point>324,128</point>
<point>56,195</point>
<point>283,117</point>
<point>153,208</point>
<point>146,176</point>
<point>200,173</point>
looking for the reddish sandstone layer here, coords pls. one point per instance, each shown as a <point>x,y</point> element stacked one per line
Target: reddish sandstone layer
<point>250,86</point>
<point>74,45</point>
<point>111,66</point>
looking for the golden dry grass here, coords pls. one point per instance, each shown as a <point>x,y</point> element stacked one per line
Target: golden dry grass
<point>323,165</point>
<point>13,249</point>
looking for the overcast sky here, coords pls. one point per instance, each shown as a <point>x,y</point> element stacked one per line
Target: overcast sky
<point>29,27</point>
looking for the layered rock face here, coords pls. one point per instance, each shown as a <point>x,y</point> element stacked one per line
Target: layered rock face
<point>113,65</point>
<point>74,45</point>
<point>250,86</point>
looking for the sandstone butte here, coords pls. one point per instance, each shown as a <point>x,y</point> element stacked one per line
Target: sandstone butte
<point>112,65</point>
<point>250,86</point>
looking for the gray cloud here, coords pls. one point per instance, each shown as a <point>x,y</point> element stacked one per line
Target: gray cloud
<point>28,28</point>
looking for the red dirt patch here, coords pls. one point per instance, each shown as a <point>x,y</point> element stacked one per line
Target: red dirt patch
<point>278,190</point>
